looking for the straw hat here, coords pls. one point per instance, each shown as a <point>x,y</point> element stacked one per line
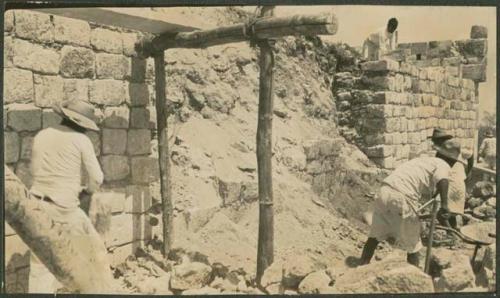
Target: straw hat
<point>451,149</point>
<point>80,112</point>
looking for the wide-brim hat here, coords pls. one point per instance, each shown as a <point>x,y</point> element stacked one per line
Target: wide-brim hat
<point>80,112</point>
<point>489,134</point>
<point>439,134</point>
<point>451,149</point>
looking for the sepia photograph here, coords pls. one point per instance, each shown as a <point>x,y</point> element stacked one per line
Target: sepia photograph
<point>249,150</point>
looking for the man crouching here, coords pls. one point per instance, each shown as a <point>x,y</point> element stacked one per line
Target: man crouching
<point>395,210</point>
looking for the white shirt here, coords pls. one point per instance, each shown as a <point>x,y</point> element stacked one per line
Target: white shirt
<point>379,43</point>
<point>456,188</point>
<point>58,155</point>
<point>417,178</point>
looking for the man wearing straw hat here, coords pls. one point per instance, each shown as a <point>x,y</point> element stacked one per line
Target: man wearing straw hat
<point>415,182</point>
<point>58,155</point>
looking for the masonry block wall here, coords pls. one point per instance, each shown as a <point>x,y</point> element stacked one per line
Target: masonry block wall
<point>394,105</point>
<point>48,59</point>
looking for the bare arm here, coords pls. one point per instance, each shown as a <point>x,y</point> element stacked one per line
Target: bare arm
<point>92,166</point>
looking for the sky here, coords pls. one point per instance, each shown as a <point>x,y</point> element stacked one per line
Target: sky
<point>416,23</point>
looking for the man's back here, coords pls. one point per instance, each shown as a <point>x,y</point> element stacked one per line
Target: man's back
<point>418,177</point>
<point>57,156</point>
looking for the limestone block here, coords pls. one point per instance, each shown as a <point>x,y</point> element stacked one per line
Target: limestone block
<point>107,92</point>
<point>106,40</point>
<point>380,82</point>
<point>452,61</point>
<point>139,118</point>
<point>8,20</point>
<point>129,40</point>
<point>18,86</point>
<point>379,111</point>
<point>77,62</point>
<point>121,230</point>
<point>116,117</point>
<point>453,70</point>
<point>384,162</point>
<point>34,26</point>
<point>453,81</point>
<point>95,138</point>
<point>12,147</point>
<point>26,146</point>
<point>50,118</point>
<point>76,89</point>
<point>48,90</point>
<point>403,124</point>
<point>379,151</point>
<point>24,117</point>
<point>144,169</point>
<point>138,94</point>
<point>407,84</point>
<point>380,66</point>
<point>35,57</point>
<point>475,72</point>
<point>111,66</point>
<point>392,124</point>
<point>8,51</point>
<point>416,47</point>
<point>115,167</point>
<point>114,141</point>
<point>139,141</point>
<point>71,31</point>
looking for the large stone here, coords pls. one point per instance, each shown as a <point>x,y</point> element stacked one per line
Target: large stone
<point>294,269</point>
<point>111,66</point>
<point>106,40</point>
<point>202,291</point>
<point>18,85</point>
<point>391,275</point>
<point>107,92</point>
<point>144,169</point>
<point>71,31</point>
<point>50,118</point>
<point>381,65</point>
<point>190,275</point>
<point>8,20</point>
<point>138,94</point>
<point>115,167</point>
<point>48,90</point>
<point>35,57</point>
<point>26,147</point>
<point>139,141</point>
<point>76,89</point>
<point>77,62</point>
<point>34,26</point>
<point>116,117</point>
<point>114,141</point>
<point>139,118</point>
<point>24,117</point>
<point>95,138</point>
<point>314,282</point>
<point>457,277</point>
<point>11,147</point>
<point>475,72</point>
<point>8,51</point>
<point>129,40</point>
<point>489,260</point>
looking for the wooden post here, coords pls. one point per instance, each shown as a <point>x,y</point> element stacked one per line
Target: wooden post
<point>163,152</point>
<point>265,246</point>
<point>430,239</point>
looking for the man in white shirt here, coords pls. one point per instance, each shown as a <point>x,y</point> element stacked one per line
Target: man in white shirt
<point>410,185</point>
<point>381,41</point>
<point>58,155</point>
<point>488,149</point>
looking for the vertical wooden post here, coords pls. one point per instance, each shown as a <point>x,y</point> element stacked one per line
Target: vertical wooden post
<point>163,152</point>
<point>265,253</point>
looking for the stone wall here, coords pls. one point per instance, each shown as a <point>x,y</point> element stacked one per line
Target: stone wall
<point>48,59</point>
<point>394,105</point>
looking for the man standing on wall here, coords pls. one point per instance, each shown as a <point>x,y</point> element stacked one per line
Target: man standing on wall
<point>395,211</point>
<point>58,155</point>
<point>381,41</point>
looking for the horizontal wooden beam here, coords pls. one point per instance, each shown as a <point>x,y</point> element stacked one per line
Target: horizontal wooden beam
<point>265,28</point>
<point>141,19</point>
